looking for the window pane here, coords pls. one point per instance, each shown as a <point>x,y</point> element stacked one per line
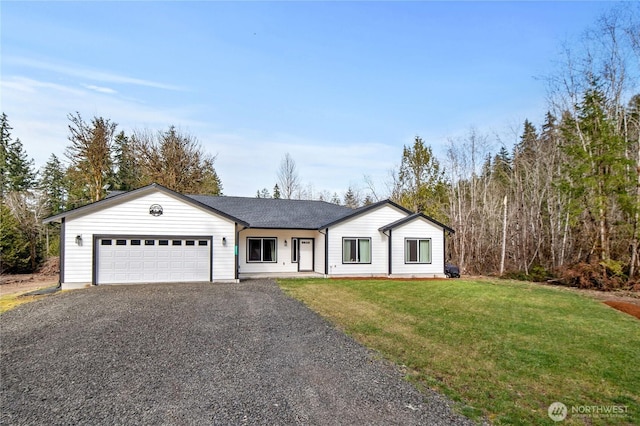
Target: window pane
<point>149,242</point>
<point>190,243</point>
<point>425,251</point>
<point>203,242</point>
<point>135,242</point>
<point>255,250</point>
<point>269,250</point>
<point>411,251</point>
<point>121,242</point>
<point>105,242</point>
<point>348,251</point>
<point>364,249</point>
<point>177,242</point>
<point>163,242</point>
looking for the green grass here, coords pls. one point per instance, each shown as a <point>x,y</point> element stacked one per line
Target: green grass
<point>504,350</point>
<point>10,301</point>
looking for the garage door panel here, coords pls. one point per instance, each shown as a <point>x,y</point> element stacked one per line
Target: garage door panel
<point>154,259</point>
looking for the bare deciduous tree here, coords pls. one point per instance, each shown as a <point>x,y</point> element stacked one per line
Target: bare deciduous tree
<point>288,177</point>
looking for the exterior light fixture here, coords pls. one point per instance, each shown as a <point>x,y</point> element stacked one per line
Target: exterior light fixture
<point>285,243</point>
<point>79,239</point>
<point>224,241</point>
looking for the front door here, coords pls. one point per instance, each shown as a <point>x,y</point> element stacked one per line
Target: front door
<point>305,261</point>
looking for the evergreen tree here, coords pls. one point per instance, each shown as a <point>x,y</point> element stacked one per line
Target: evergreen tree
<point>335,199</point>
<point>350,199</point>
<point>16,169</point>
<point>20,173</point>
<point>421,182</point>
<point>126,176</point>
<point>54,185</point>
<point>5,143</point>
<point>597,166</point>
<point>276,191</point>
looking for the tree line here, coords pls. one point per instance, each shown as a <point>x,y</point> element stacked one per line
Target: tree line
<point>563,202</point>
<point>98,159</point>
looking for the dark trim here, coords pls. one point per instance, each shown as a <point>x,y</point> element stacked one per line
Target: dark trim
<point>63,244</point>
<point>313,254</point>
<point>444,250</point>
<point>96,237</point>
<point>418,239</point>
<point>412,217</point>
<point>326,252</point>
<point>293,248</point>
<point>390,253</point>
<point>357,238</point>
<point>246,260</point>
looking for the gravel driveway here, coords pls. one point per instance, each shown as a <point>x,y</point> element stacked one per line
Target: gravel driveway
<point>195,354</point>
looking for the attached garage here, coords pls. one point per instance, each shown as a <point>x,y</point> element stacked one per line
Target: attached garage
<point>152,259</point>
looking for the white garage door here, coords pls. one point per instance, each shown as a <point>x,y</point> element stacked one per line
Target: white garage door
<point>153,260</point>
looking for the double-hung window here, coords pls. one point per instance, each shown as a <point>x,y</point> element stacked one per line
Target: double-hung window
<point>356,250</point>
<point>417,250</point>
<point>261,249</point>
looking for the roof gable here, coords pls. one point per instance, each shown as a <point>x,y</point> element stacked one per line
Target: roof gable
<point>130,195</point>
<point>365,209</point>
<point>413,217</point>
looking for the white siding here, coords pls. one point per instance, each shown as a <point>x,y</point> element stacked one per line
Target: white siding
<point>365,225</point>
<point>283,264</point>
<point>131,217</point>
<point>422,229</point>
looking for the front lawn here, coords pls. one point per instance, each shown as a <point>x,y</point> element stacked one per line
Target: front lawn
<point>504,350</point>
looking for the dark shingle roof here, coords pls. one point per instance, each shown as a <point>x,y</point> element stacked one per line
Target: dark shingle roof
<point>276,213</point>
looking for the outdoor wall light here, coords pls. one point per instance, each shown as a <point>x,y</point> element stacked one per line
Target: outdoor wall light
<point>224,241</point>
<point>79,240</point>
<point>285,243</point>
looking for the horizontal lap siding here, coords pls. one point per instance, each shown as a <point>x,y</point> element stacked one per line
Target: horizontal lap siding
<point>363,226</point>
<point>132,218</point>
<point>283,254</point>
<point>422,229</point>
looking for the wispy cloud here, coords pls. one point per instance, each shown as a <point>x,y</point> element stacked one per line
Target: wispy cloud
<point>100,89</point>
<point>87,73</point>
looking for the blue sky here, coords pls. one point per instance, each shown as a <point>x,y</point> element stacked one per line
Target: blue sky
<point>341,86</point>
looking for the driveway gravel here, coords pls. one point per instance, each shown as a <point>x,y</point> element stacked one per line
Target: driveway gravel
<point>196,354</point>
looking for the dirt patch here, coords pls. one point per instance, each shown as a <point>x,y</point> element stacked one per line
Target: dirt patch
<point>627,308</point>
<point>48,275</point>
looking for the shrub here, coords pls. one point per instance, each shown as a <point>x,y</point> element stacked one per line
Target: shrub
<point>595,275</point>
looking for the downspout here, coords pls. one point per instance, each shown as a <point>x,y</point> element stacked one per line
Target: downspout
<point>63,228</point>
<point>389,261</point>
<point>326,251</point>
<point>236,249</point>
<point>444,251</point>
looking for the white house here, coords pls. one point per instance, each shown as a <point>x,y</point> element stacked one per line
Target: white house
<point>153,234</point>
